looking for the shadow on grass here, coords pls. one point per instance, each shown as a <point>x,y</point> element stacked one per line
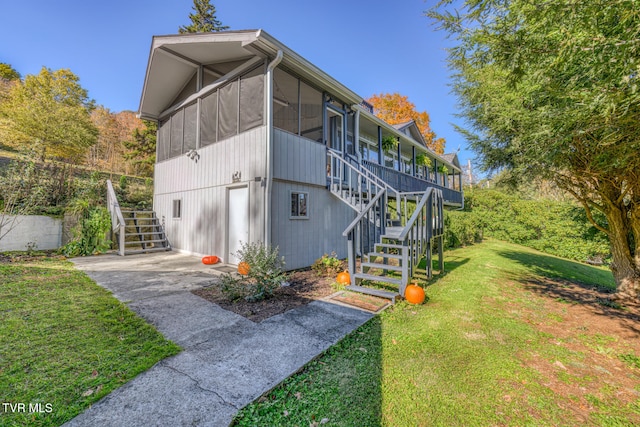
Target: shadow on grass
<point>341,387</point>
<point>571,282</point>
<point>450,264</point>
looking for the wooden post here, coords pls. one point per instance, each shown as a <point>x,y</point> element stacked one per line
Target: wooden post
<point>351,255</point>
<point>405,269</point>
<point>440,255</point>
<point>413,164</point>
<point>380,152</point>
<point>399,157</point>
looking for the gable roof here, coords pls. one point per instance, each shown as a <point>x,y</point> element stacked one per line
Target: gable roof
<point>411,129</point>
<point>175,59</point>
<point>452,158</point>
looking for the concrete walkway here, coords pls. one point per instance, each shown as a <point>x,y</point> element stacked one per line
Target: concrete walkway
<point>227,361</point>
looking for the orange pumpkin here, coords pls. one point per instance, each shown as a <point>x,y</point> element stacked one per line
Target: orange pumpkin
<point>344,278</point>
<point>243,268</point>
<point>414,294</point>
<point>212,259</point>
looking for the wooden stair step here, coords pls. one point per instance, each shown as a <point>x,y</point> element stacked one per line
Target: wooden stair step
<point>375,278</point>
<point>388,245</point>
<point>381,266</point>
<point>384,255</point>
<point>139,242</point>
<point>144,233</point>
<point>142,251</point>
<point>375,292</point>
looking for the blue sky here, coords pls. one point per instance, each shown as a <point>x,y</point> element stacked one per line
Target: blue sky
<point>370,46</point>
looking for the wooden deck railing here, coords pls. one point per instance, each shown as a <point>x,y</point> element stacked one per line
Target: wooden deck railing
<point>405,183</point>
<point>425,224</point>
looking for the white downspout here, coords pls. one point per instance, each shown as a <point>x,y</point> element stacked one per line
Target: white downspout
<point>269,151</point>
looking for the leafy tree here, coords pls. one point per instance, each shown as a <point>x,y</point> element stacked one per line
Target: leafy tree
<point>49,112</point>
<point>394,109</point>
<point>8,78</point>
<point>103,154</point>
<point>203,20</point>
<point>550,90</point>
<point>7,72</point>
<point>142,148</point>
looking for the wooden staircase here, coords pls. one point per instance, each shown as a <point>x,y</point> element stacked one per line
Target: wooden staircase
<point>135,231</point>
<point>384,254</point>
<point>143,233</point>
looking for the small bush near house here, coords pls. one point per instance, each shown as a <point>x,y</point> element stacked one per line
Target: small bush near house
<point>265,274</point>
<point>327,265</point>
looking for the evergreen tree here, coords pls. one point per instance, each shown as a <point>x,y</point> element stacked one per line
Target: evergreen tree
<point>551,90</point>
<point>142,148</point>
<point>203,20</point>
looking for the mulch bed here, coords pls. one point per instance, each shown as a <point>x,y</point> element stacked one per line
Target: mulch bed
<point>304,286</point>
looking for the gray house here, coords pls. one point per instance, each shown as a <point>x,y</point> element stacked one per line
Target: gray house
<point>257,144</point>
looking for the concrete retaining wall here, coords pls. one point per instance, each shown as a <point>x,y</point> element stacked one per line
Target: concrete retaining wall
<point>44,231</point>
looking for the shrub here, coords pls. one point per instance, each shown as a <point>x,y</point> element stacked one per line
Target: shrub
<point>555,227</point>
<point>327,265</point>
<point>90,234</point>
<point>265,274</point>
<point>461,229</point>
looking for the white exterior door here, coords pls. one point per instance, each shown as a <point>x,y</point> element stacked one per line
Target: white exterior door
<point>238,215</point>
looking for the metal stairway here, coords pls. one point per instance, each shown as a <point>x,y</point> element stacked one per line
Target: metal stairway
<point>135,231</point>
<point>384,254</point>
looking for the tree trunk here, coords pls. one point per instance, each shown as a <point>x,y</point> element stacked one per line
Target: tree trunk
<point>625,265</point>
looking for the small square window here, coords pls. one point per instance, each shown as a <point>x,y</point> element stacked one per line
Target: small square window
<point>299,204</point>
<point>177,209</point>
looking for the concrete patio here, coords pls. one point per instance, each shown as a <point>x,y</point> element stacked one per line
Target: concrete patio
<point>227,361</point>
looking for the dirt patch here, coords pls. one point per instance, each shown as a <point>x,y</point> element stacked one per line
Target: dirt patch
<point>597,340</point>
<point>8,257</point>
<point>304,286</point>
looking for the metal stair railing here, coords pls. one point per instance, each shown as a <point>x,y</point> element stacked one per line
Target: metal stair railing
<point>117,220</point>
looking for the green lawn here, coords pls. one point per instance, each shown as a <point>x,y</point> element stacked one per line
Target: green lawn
<point>473,355</point>
<point>65,342</point>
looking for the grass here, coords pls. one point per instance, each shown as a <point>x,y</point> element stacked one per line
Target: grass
<point>467,357</point>
<point>65,342</point>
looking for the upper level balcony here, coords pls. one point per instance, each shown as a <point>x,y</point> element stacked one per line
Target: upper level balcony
<point>408,183</point>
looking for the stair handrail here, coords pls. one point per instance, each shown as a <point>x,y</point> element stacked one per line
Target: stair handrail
<point>417,234</point>
<point>117,220</point>
<point>416,214</point>
<point>364,212</point>
<point>340,161</point>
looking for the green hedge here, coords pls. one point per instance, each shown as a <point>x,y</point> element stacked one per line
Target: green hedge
<point>557,228</point>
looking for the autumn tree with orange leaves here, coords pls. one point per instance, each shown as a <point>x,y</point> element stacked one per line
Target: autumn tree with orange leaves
<point>394,109</point>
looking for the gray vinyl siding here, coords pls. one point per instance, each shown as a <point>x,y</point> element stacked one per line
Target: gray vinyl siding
<point>302,241</point>
<point>300,165</point>
<point>202,187</point>
<point>298,159</point>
